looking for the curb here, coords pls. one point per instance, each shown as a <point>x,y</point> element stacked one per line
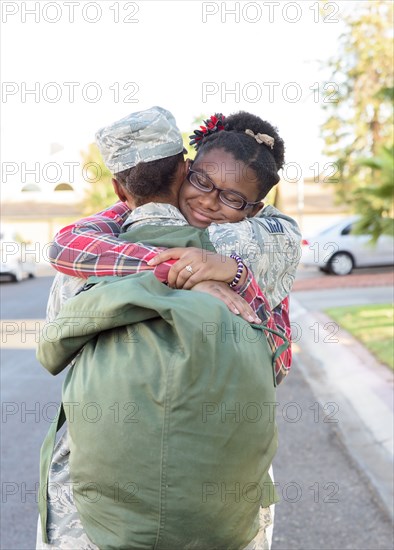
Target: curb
<point>356,280</point>
<point>340,370</point>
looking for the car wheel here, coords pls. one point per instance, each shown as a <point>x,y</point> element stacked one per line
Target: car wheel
<point>18,275</point>
<point>341,263</point>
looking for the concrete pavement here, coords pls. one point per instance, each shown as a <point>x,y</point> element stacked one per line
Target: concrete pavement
<point>342,372</point>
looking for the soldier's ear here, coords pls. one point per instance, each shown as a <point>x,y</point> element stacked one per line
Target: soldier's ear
<point>119,190</point>
<point>122,194</point>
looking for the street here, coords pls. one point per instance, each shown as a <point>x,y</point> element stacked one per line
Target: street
<point>326,501</point>
<point>28,396</point>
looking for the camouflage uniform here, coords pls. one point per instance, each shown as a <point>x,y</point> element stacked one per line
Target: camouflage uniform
<point>142,136</point>
<point>270,247</point>
<point>64,527</point>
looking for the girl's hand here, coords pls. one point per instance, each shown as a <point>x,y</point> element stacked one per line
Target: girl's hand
<point>195,265</point>
<point>233,301</point>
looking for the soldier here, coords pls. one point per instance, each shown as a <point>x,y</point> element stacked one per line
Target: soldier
<point>116,143</point>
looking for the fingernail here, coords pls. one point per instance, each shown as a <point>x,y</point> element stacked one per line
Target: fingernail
<point>150,262</point>
<point>251,318</point>
<point>236,311</point>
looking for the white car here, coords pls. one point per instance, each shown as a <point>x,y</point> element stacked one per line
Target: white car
<point>336,250</point>
<point>14,262</point>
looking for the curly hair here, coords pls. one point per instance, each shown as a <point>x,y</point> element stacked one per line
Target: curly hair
<point>149,180</point>
<point>264,161</point>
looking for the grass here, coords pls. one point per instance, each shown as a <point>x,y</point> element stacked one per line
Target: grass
<point>372,325</point>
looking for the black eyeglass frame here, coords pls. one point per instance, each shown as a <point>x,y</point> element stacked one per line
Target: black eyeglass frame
<point>245,203</point>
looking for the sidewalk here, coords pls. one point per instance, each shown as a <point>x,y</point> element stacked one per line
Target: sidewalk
<point>341,371</point>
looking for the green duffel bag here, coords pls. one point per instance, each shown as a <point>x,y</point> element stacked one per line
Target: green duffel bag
<point>169,407</point>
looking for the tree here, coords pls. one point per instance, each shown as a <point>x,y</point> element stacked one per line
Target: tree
<point>360,118</point>
<point>100,192</point>
<point>191,153</point>
<point>197,121</point>
<point>375,202</point>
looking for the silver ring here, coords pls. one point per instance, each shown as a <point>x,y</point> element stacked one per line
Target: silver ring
<point>189,268</point>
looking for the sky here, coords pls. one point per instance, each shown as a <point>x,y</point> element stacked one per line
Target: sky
<point>69,68</point>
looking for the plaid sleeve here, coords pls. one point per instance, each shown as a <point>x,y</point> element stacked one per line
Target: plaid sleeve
<point>275,319</point>
<point>91,246</point>
<point>281,323</point>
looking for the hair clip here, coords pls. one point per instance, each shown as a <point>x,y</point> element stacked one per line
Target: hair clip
<point>261,138</point>
<point>212,125</point>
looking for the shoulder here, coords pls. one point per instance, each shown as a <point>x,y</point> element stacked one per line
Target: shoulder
<point>63,288</point>
<point>274,221</point>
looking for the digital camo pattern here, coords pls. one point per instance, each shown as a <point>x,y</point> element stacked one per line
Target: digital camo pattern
<point>269,244</point>
<point>139,137</point>
<point>63,288</point>
<point>64,526</point>
<point>262,540</point>
<point>154,213</point>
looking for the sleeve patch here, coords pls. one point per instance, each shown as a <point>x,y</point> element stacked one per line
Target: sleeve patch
<point>272,225</point>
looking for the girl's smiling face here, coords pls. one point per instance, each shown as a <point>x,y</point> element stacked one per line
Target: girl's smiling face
<point>201,208</point>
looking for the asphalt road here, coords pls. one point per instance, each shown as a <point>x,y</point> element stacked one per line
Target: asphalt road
<point>326,502</point>
<point>28,396</point>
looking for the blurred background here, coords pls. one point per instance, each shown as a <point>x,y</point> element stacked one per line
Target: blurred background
<point>322,72</point>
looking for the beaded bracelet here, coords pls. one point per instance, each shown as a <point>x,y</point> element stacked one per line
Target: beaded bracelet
<point>240,269</point>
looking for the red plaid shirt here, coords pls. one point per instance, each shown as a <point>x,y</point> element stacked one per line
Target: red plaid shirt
<point>91,247</point>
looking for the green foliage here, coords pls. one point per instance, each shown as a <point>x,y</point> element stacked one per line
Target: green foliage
<point>191,152</point>
<point>100,192</point>
<point>197,120</point>
<point>375,201</point>
<point>358,131</point>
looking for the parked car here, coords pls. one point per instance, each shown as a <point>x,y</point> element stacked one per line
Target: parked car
<point>337,250</point>
<point>15,262</point>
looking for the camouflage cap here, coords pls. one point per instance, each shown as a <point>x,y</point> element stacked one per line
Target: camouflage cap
<point>139,137</point>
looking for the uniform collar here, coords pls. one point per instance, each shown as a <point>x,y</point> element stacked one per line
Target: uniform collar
<point>153,212</point>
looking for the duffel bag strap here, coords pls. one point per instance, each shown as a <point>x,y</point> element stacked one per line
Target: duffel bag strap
<point>283,347</point>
